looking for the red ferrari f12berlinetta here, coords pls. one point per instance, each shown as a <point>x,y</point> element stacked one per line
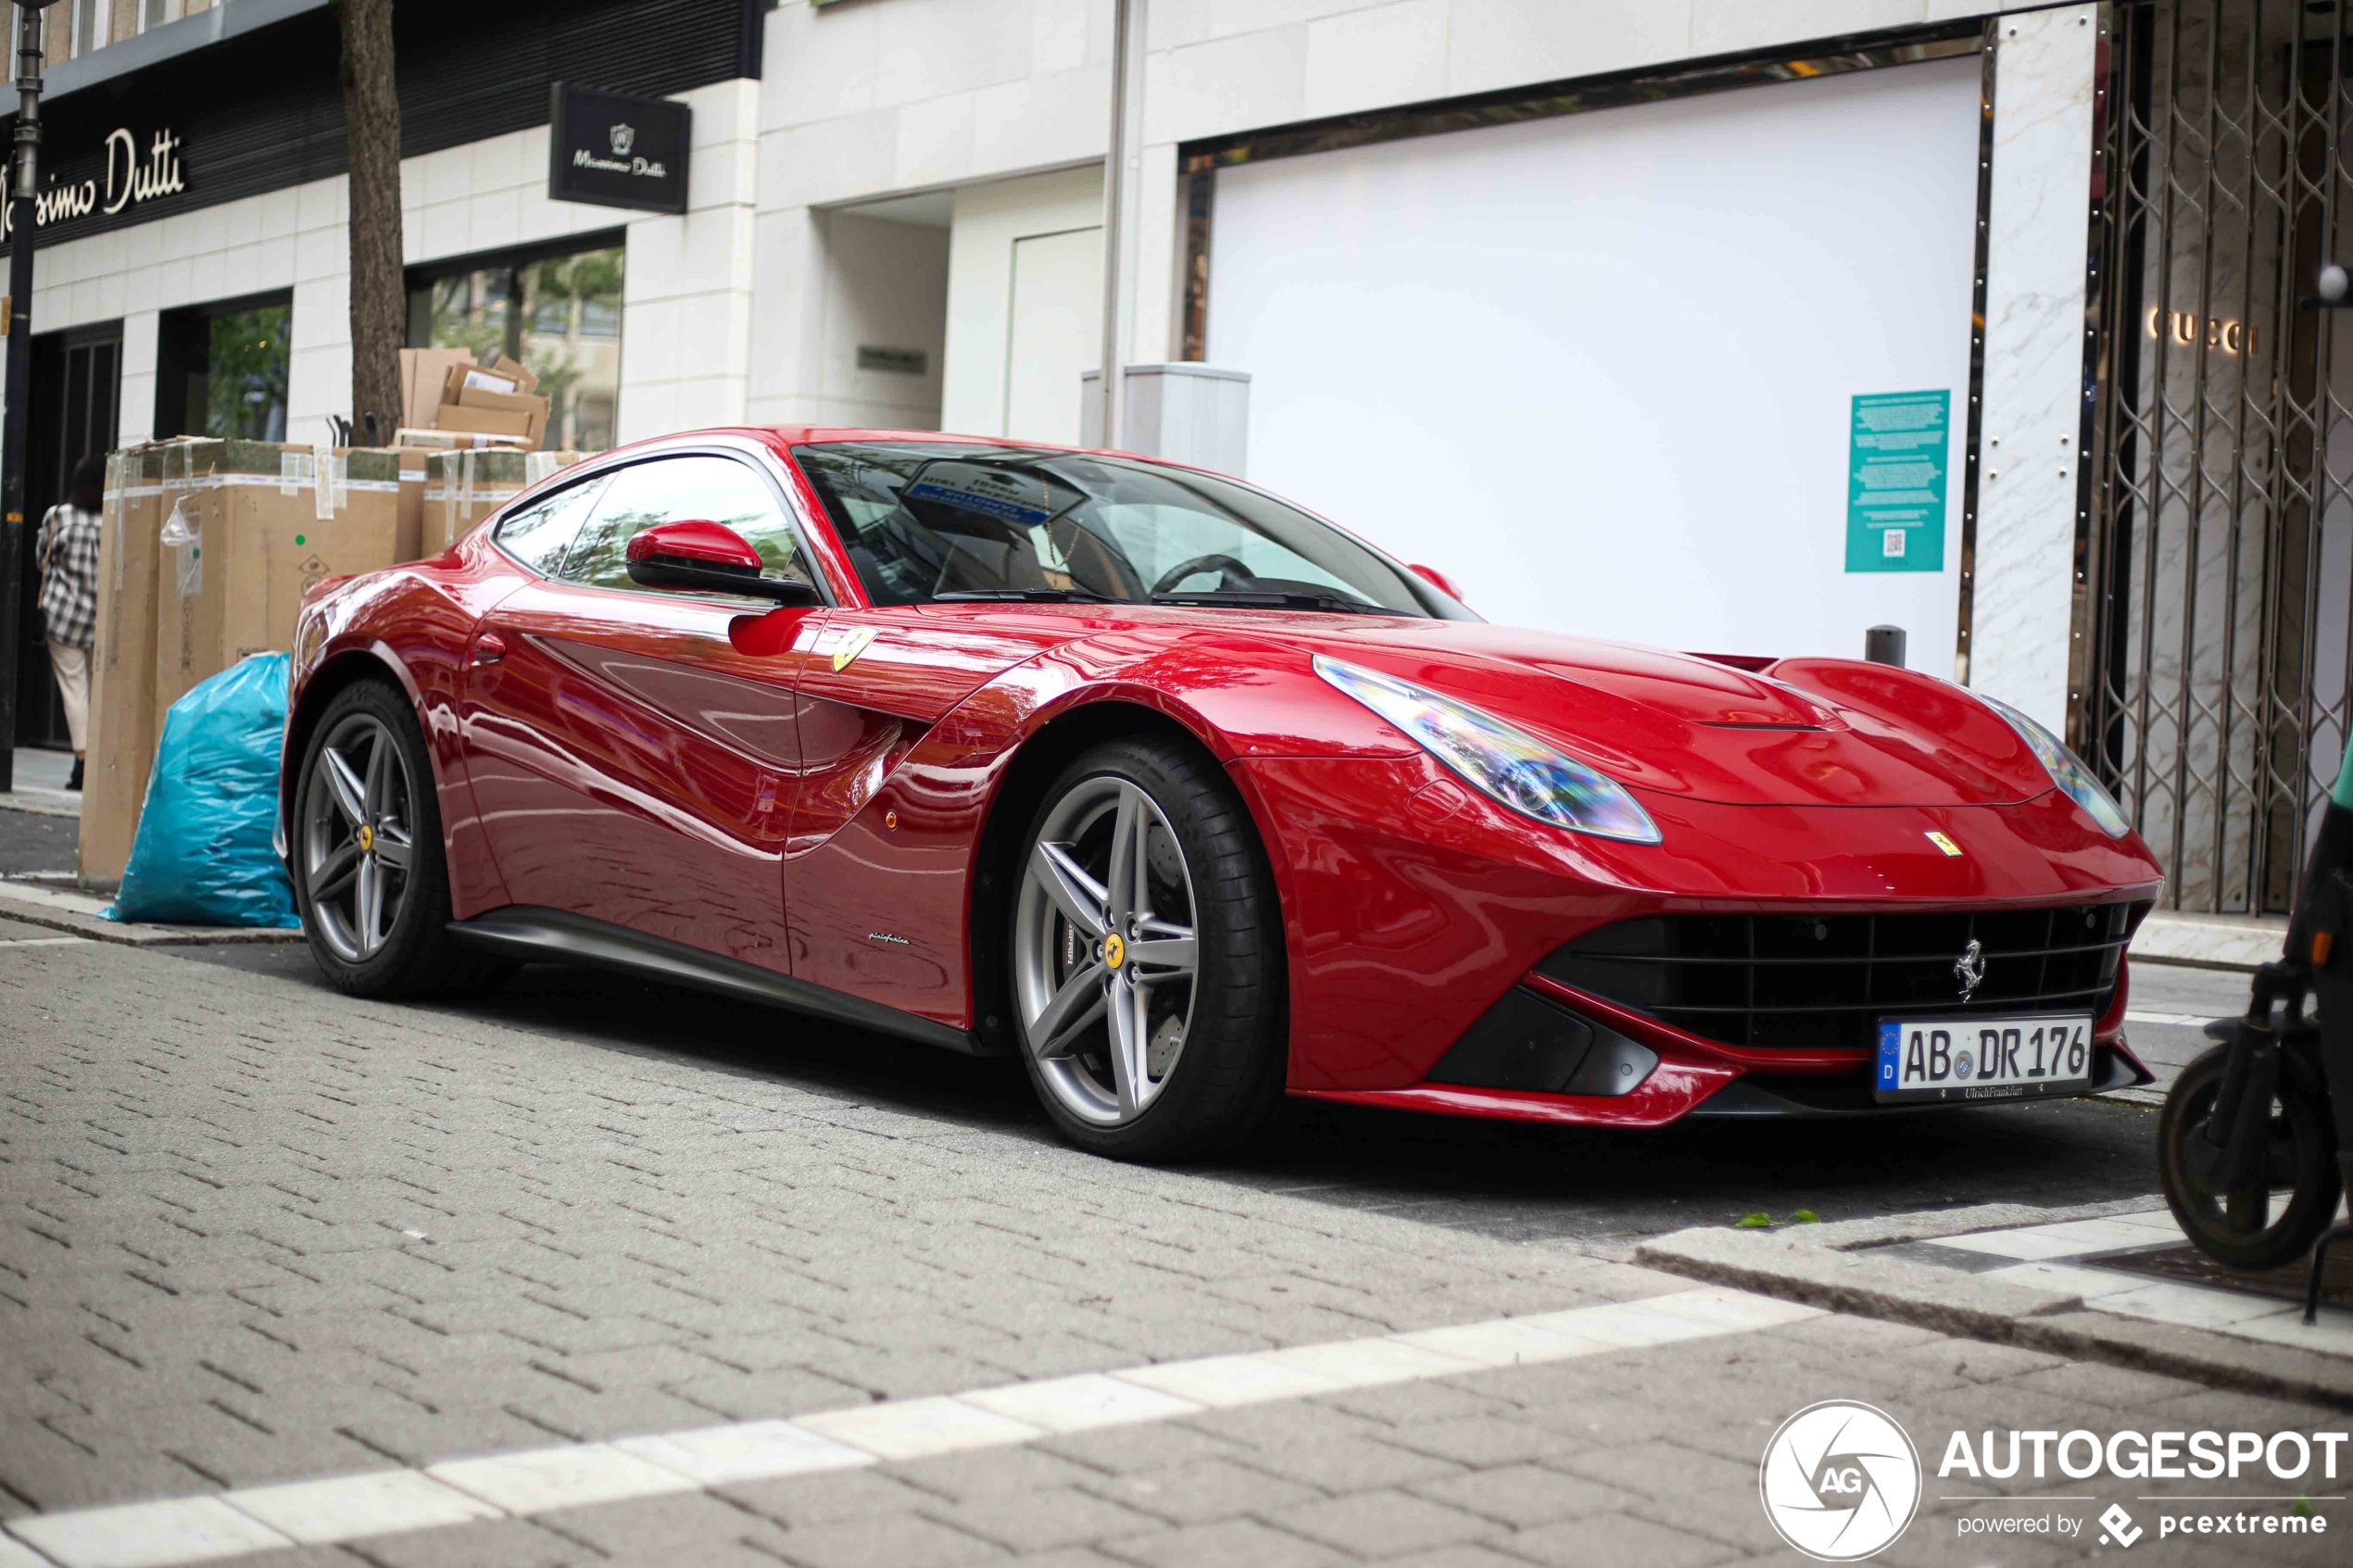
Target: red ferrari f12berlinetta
<point>1186,798</point>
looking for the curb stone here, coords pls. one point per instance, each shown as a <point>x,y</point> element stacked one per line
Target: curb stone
<point>78,914</point>
<point>1819,1272</point>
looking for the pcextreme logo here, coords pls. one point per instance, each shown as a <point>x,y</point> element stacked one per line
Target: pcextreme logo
<point>1840,1481</point>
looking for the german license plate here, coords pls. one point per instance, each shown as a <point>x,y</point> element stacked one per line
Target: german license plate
<point>1959,1060</point>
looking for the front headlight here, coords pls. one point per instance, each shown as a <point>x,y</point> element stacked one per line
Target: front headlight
<point>1510,765</point>
<point>2066,770</point>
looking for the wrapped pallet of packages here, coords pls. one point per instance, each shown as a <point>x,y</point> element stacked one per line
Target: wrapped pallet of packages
<point>464,487</point>
<point>122,665</point>
<point>244,543</point>
<point>206,549</point>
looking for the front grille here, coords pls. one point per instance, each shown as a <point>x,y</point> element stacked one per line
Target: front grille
<point>1823,982</point>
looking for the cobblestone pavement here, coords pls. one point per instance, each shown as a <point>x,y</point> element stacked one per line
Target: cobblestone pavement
<point>1511,1183</point>
<point>251,1231</point>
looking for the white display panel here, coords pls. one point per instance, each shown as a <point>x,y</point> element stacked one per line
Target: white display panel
<point>1599,368</point>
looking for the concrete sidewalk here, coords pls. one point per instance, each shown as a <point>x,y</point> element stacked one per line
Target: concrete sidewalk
<point>2200,941</point>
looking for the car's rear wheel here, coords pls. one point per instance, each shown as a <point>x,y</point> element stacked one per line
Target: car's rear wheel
<point>1147,956</point>
<point>369,873</point>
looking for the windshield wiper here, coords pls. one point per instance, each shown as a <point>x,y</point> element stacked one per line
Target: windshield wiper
<point>1269,598</point>
<point>1022,595</point>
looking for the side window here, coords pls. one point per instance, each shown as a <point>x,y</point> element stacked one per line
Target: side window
<point>540,537</point>
<point>714,489</point>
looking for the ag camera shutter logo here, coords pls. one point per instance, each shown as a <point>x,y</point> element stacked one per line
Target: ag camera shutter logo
<point>1840,1481</point>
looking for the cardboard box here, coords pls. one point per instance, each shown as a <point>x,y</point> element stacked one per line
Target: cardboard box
<point>122,666</point>
<point>423,372</point>
<point>508,377</point>
<point>267,521</point>
<point>524,427</point>
<point>497,402</point>
<point>464,487</point>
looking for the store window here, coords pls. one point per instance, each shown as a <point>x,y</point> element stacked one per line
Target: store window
<point>221,368</point>
<point>89,25</point>
<point>559,315</point>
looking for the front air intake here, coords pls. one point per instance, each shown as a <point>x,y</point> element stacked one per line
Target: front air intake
<point>1823,982</point>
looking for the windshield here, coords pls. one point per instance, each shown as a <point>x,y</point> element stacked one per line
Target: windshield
<point>926,521</point>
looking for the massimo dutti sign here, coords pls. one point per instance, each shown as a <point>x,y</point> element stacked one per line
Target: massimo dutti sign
<point>614,150</point>
<point>135,172</point>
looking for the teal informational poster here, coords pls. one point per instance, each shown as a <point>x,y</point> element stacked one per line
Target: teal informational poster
<point>1896,481</point>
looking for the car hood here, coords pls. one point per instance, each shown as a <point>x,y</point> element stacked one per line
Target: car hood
<point>1794,732</point>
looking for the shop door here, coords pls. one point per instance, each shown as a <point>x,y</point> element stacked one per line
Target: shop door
<point>1057,321</point>
<point>77,385</point>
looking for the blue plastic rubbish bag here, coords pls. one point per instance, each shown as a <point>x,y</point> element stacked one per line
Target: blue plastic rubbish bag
<point>202,855</point>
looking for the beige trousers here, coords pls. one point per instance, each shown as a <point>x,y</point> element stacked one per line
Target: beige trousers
<point>72,666</point>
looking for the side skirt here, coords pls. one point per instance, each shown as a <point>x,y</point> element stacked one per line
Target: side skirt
<point>527,933</point>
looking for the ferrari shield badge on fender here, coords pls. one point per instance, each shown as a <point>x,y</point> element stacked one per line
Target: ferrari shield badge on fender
<point>858,641</point>
<point>1936,838</point>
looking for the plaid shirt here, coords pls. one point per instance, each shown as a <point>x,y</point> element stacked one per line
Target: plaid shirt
<point>68,551</point>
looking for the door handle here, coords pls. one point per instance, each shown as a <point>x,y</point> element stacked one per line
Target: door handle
<point>489,648</point>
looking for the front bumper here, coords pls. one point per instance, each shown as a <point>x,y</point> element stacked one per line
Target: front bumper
<point>1413,905</point>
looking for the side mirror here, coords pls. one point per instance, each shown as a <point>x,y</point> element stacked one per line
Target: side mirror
<point>1437,580</point>
<point>708,558</point>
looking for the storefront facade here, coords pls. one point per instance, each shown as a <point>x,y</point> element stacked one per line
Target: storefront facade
<point>1620,315</point>
<point>1700,323</point>
<point>193,272</point>
<point>1579,303</point>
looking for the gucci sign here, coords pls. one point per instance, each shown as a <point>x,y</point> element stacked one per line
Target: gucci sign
<point>2229,336</point>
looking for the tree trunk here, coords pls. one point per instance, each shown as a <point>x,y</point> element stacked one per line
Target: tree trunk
<point>379,299</point>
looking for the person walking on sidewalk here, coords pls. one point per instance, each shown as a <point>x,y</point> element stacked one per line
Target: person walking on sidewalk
<point>68,552</point>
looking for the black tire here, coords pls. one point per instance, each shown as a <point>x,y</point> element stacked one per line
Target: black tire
<point>2303,1159</point>
<point>1230,1071</point>
<point>417,956</point>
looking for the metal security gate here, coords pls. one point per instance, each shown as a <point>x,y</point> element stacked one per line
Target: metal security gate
<point>2217,563</point>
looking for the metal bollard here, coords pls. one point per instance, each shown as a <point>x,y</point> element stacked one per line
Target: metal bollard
<point>1884,644</point>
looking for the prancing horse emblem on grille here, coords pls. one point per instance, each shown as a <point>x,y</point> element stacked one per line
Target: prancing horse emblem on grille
<point>1969,968</point>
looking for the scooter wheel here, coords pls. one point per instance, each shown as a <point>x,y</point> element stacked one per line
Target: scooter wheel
<point>2273,1220</point>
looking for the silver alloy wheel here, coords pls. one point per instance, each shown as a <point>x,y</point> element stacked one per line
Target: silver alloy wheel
<point>1104,957</point>
<point>355,840</point>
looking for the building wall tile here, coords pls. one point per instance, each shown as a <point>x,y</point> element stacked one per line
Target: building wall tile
<point>1204,89</point>
<point>1366,58</point>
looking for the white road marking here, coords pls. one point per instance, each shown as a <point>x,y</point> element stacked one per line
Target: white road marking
<point>2179,1020</point>
<point>147,1534</point>
<point>920,1428</point>
<point>540,1479</point>
<point>315,1512</point>
<point>41,941</point>
<point>753,1451</point>
<point>345,1507</point>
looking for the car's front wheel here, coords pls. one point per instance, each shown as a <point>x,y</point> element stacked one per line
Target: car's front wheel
<point>1147,956</point>
<point>365,852</point>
